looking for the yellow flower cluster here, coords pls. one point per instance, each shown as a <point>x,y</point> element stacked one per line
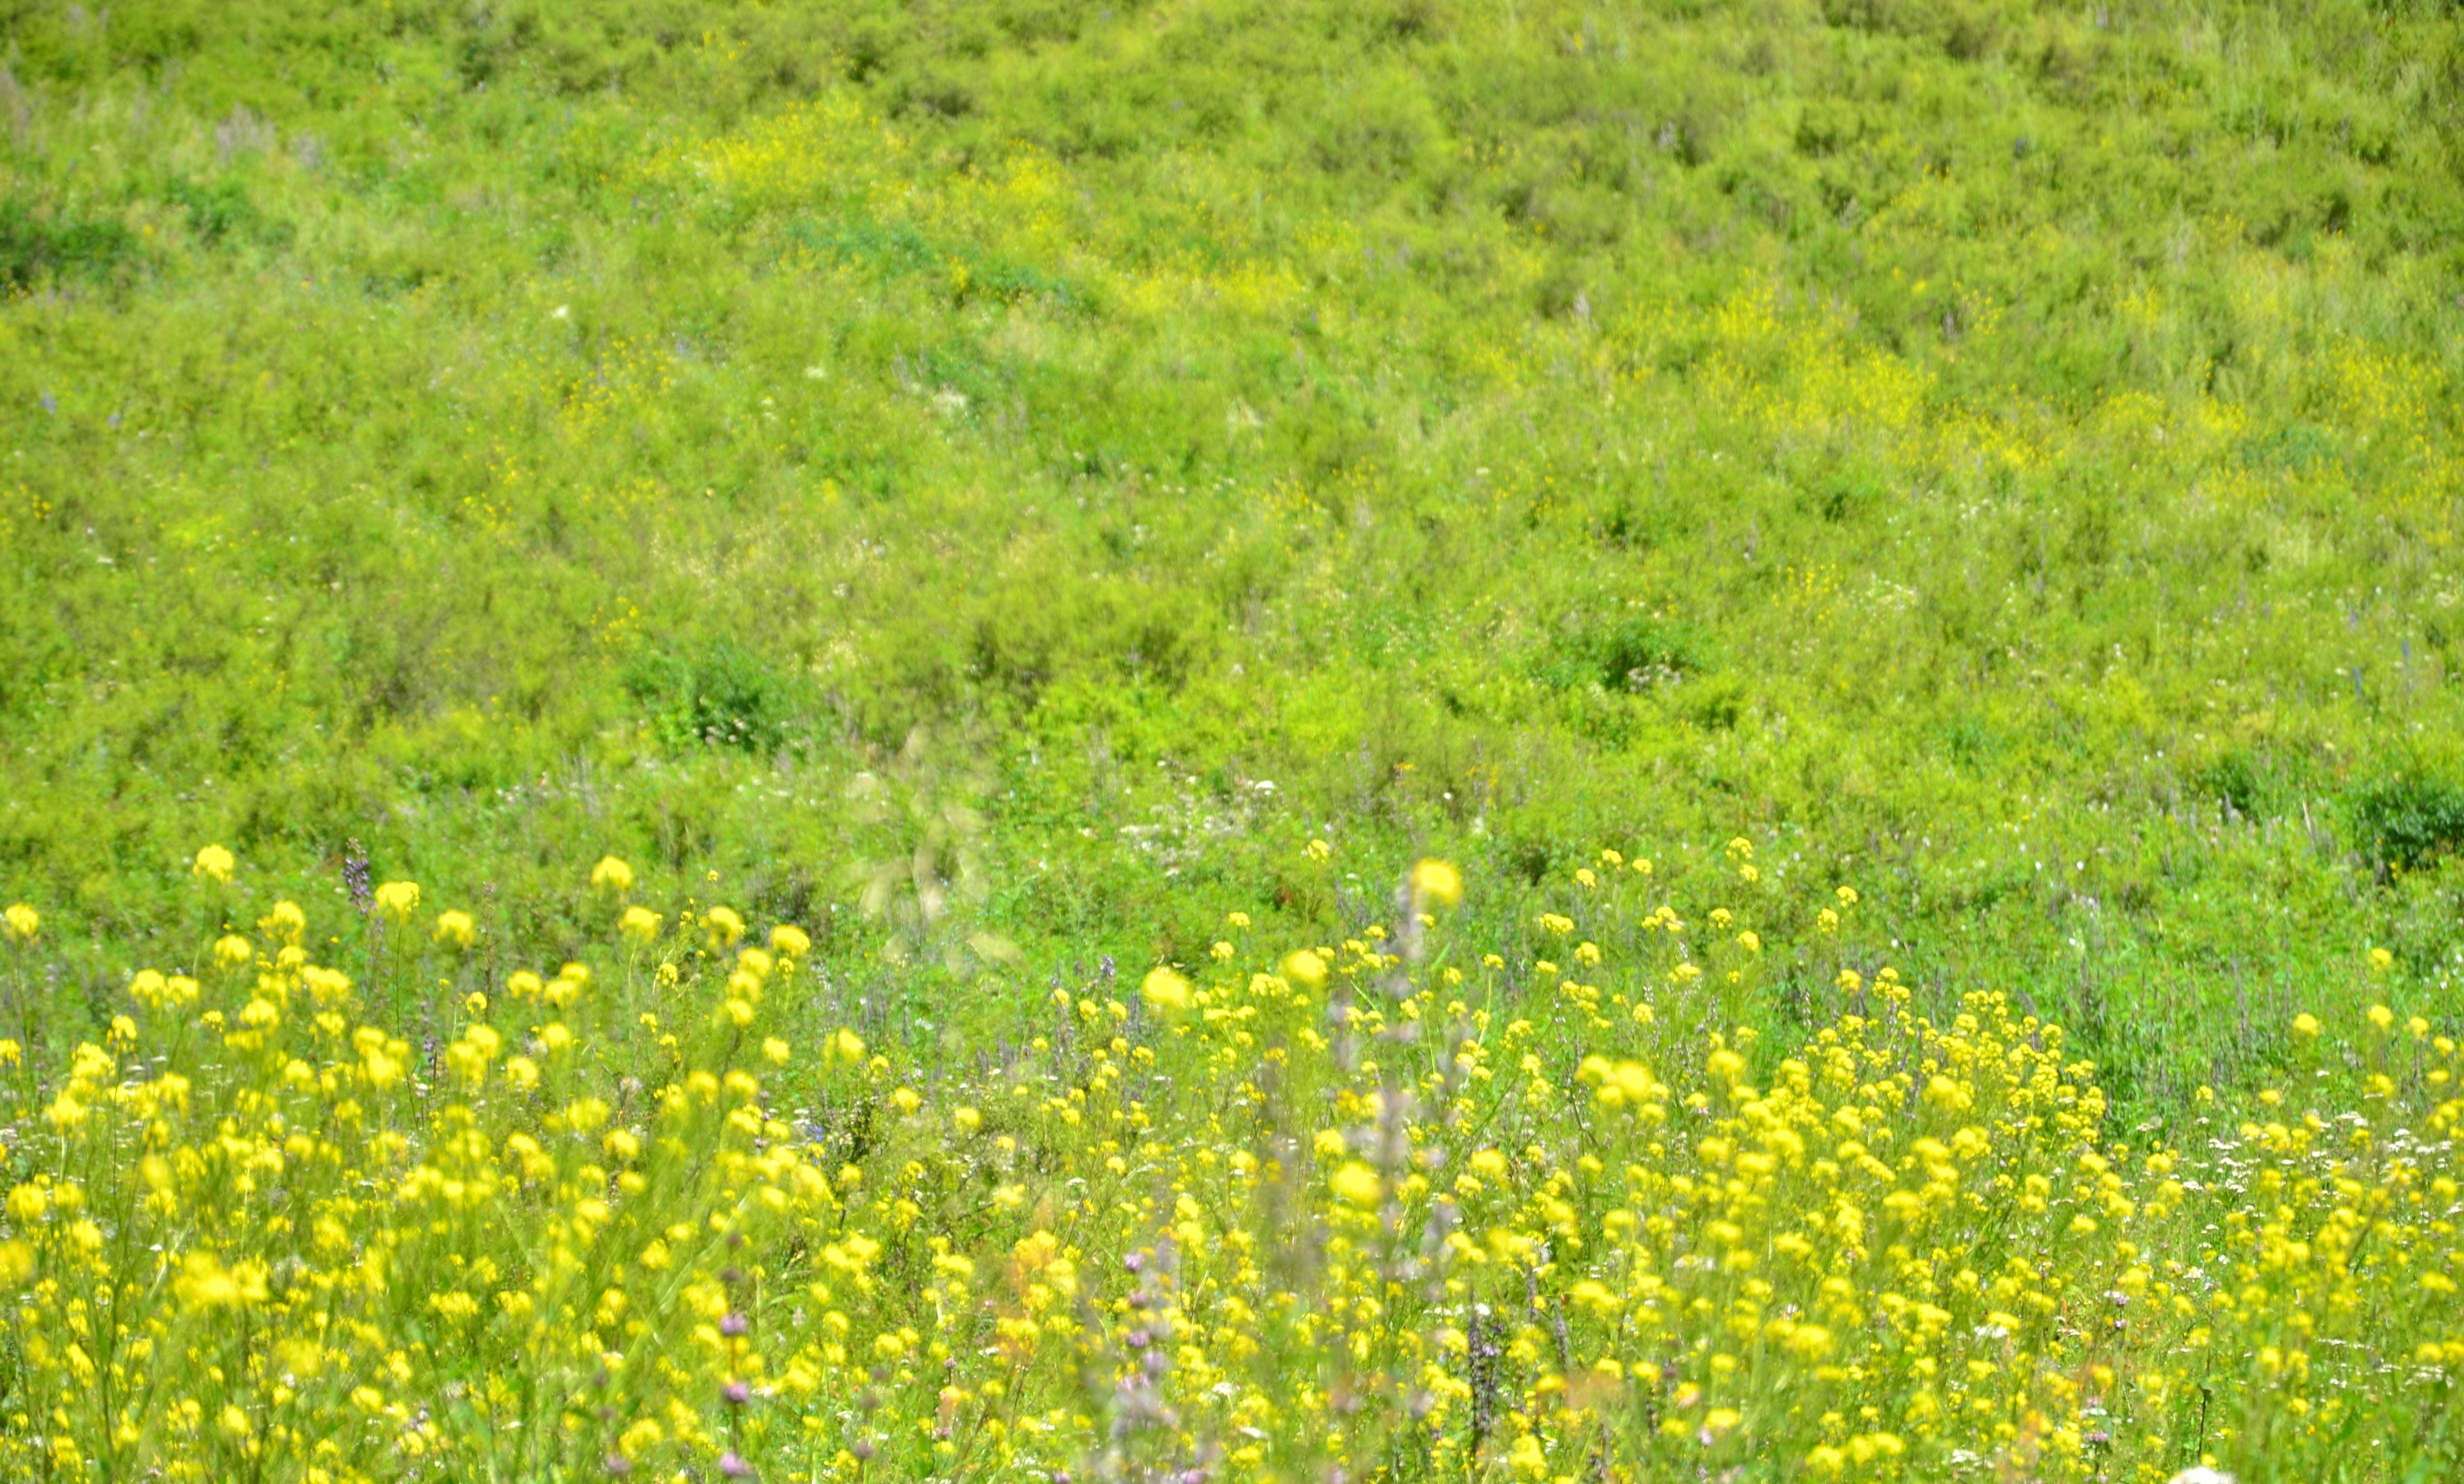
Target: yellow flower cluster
<point>1362,1208</point>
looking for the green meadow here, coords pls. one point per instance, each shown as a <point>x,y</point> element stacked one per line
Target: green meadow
<point>1029,469</point>
<point>693,695</point>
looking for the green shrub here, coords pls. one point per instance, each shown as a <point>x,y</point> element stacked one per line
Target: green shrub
<point>718,694</point>
<point>2407,823</point>
<point>1630,651</point>
<point>35,246</point>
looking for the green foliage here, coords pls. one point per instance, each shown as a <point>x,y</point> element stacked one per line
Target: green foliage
<point>38,247</point>
<point>219,211</point>
<point>719,695</point>
<point>1629,652</point>
<point>2410,822</point>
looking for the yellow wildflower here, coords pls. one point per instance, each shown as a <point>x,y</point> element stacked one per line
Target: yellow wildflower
<point>1166,990</point>
<point>1355,1184</point>
<point>1436,883</point>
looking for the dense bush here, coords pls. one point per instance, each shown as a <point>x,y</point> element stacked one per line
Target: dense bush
<point>2410,822</point>
<point>721,695</point>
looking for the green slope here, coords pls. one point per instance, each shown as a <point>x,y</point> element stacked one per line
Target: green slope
<point>1997,456</point>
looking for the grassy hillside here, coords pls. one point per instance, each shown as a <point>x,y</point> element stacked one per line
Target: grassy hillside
<point>1032,468</point>
<point>1907,551</point>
